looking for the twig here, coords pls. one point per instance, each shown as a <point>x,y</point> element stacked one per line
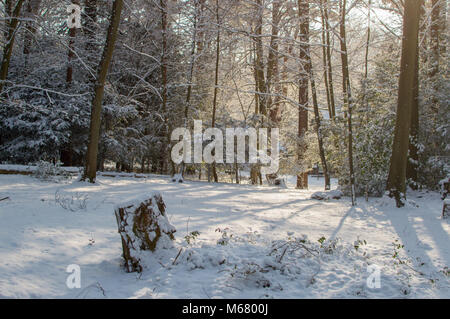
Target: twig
<point>4,198</point>
<point>178,255</point>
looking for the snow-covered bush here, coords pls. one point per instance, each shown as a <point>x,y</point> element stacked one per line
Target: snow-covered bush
<point>334,194</point>
<point>48,171</point>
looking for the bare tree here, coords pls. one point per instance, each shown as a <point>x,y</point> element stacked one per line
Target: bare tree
<point>216,84</point>
<point>303,11</point>
<point>396,184</point>
<point>72,35</point>
<point>94,131</point>
<point>347,96</point>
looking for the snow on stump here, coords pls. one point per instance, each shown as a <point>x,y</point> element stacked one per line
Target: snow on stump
<point>446,209</point>
<point>142,225</point>
<point>445,187</point>
<point>334,194</point>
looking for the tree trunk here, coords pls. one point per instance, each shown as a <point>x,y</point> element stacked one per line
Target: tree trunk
<point>31,11</point>
<point>260,78</point>
<point>347,96</point>
<point>329,62</point>
<point>396,184</point>
<point>303,9</point>
<point>325,60</point>
<point>7,51</point>
<point>260,82</point>
<point>190,77</point>
<point>72,35</point>
<point>216,83</point>
<point>273,67</point>
<point>366,60</point>
<point>94,130</point>
<point>318,128</point>
<point>166,148</point>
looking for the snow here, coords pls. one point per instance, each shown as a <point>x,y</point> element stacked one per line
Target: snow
<point>240,250</point>
<point>327,195</point>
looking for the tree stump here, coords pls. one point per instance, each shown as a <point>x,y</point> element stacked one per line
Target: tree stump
<point>142,224</point>
<point>446,209</point>
<point>445,187</point>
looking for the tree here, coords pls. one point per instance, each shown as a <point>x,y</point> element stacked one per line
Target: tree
<point>94,130</point>
<point>216,85</point>
<point>31,11</point>
<point>326,22</point>
<point>7,51</point>
<point>396,184</point>
<point>413,151</point>
<point>347,96</point>
<point>303,11</point>
<point>318,126</point>
<point>72,35</point>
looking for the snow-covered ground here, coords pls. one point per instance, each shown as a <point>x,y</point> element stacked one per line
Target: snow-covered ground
<point>42,232</point>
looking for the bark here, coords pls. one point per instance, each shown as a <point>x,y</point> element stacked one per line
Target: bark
<point>141,226</point>
<point>166,148</point>
<point>303,8</point>
<point>366,59</point>
<point>325,60</point>
<point>272,65</point>
<point>7,51</point>
<point>190,77</point>
<point>94,130</point>
<point>329,62</point>
<point>32,9</point>
<point>216,83</point>
<point>317,126</point>
<point>260,78</point>
<point>72,35</point>
<point>347,96</point>
<point>396,184</point>
<point>285,73</point>
<point>260,82</point>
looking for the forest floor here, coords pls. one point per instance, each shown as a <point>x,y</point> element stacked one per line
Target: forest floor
<point>274,242</point>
